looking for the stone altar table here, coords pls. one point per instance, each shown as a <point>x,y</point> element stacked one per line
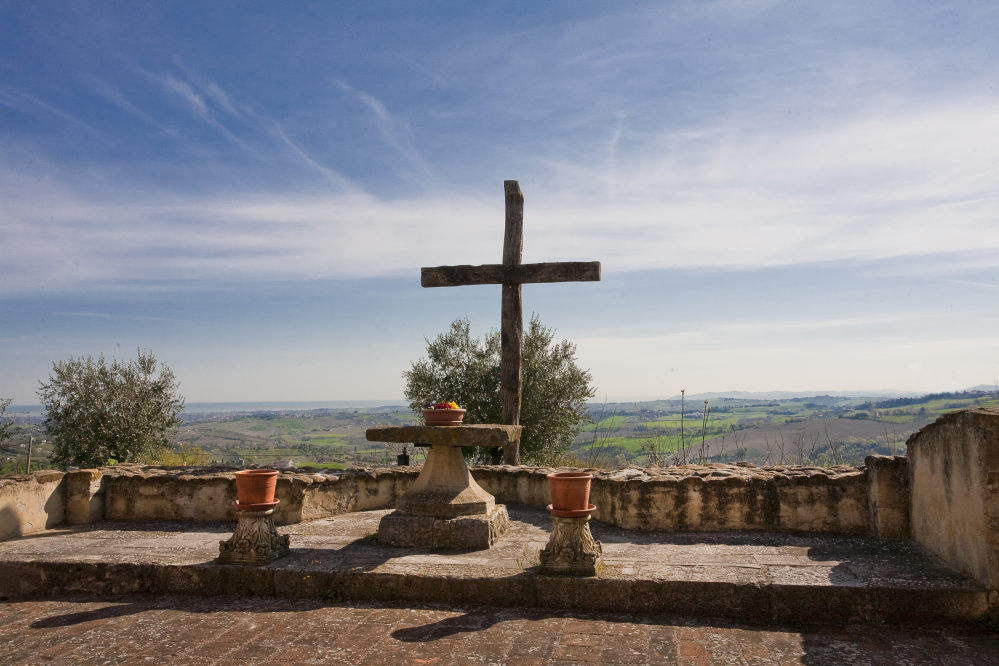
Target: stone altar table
<point>445,508</point>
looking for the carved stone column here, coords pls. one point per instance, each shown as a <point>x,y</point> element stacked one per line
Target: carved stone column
<point>571,550</point>
<point>256,540</point>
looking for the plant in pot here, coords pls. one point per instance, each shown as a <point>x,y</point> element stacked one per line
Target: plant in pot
<point>570,493</point>
<point>443,414</point>
<point>255,489</point>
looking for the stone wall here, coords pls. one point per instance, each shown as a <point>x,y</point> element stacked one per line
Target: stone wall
<point>207,494</point>
<point>692,498</point>
<point>954,489</point>
<point>717,497</point>
<point>31,503</point>
<point>714,497</point>
<point>888,495</point>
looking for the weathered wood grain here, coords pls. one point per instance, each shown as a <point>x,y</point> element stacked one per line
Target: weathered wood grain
<point>558,271</point>
<point>513,237</point>
<point>512,319</point>
<point>511,362</point>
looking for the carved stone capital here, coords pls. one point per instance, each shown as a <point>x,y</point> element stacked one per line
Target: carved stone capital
<point>256,540</point>
<point>571,549</point>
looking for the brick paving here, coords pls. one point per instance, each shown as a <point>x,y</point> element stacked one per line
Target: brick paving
<point>231,631</point>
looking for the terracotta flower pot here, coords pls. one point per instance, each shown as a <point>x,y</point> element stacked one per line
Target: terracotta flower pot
<point>570,490</point>
<point>256,486</point>
<point>443,417</point>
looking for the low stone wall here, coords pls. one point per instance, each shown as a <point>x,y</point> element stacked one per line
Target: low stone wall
<point>709,498</point>
<point>888,495</point>
<point>692,498</point>
<point>716,497</point>
<point>31,503</point>
<point>207,494</point>
<point>954,488</point>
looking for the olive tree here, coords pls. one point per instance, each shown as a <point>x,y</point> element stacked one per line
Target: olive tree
<point>7,428</point>
<point>7,433</point>
<point>98,413</point>
<point>467,370</point>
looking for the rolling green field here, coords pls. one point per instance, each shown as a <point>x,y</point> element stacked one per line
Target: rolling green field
<point>821,430</point>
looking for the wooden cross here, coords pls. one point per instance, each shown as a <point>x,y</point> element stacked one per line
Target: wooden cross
<point>511,274</point>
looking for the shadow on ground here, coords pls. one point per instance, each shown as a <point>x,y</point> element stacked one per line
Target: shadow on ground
<point>659,639</point>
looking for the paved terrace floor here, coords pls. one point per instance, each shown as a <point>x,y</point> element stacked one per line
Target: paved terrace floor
<point>753,577</point>
<point>228,631</point>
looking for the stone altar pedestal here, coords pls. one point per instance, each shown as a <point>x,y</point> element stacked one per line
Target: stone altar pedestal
<point>571,549</point>
<point>256,540</point>
<point>445,508</point>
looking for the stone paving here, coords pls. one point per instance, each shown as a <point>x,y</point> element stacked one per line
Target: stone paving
<point>232,631</point>
<point>756,577</point>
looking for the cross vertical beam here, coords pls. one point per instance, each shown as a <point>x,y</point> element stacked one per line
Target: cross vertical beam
<point>511,274</point>
<point>512,317</point>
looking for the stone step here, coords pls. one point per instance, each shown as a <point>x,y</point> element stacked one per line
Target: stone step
<point>752,577</point>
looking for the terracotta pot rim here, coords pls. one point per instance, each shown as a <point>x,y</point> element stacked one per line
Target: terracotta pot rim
<point>445,411</point>
<point>570,475</point>
<point>257,472</point>
<point>572,513</point>
<point>262,506</point>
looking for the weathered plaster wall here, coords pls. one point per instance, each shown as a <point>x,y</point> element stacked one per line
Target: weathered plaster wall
<point>31,503</point>
<point>888,495</point>
<point>84,490</point>
<point>954,487</point>
<point>714,497</point>
<point>207,494</point>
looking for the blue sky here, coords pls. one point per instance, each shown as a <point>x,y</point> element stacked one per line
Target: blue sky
<point>784,195</point>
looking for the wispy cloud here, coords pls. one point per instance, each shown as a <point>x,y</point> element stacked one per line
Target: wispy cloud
<point>105,315</point>
<point>30,104</point>
<point>114,95</point>
<point>338,179</point>
<point>395,131</point>
<point>899,185</point>
<point>195,102</point>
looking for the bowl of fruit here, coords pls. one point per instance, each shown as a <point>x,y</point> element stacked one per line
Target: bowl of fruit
<point>443,414</point>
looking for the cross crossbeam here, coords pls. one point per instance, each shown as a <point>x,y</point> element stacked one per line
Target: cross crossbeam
<point>511,274</point>
<point>458,276</point>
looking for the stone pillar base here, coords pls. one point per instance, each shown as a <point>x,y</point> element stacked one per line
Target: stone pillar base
<point>256,541</point>
<point>571,550</point>
<point>462,533</point>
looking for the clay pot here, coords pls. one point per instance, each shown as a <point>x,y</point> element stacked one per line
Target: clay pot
<point>443,417</point>
<point>256,486</point>
<point>570,490</point>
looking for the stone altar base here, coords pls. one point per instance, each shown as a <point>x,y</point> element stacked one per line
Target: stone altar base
<point>445,508</point>
<point>571,549</point>
<point>255,541</point>
<point>461,533</point>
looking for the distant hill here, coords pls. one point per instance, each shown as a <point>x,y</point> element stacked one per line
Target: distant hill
<point>788,395</point>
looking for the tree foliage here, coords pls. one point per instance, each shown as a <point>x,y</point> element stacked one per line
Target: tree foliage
<point>461,368</point>
<point>7,428</point>
<point>97,412</point>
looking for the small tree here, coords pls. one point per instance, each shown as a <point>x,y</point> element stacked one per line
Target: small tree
<point>7,428</point>
<point>97,413</point>
<point>461,368</point>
